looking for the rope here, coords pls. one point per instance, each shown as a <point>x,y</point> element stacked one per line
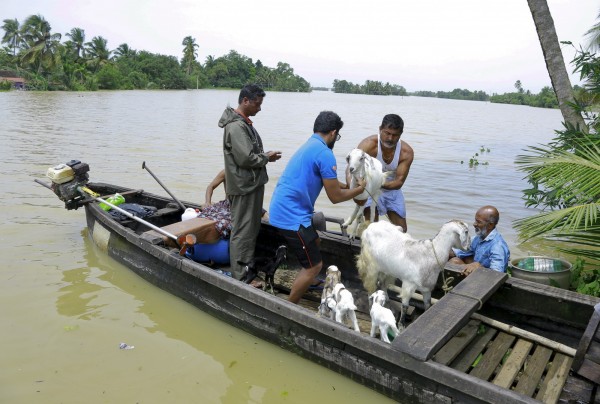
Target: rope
<point>446,282</point>
<point>375,202</point>
<point>469,296</point>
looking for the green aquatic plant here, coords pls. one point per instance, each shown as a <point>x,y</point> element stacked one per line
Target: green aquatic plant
<point>474,160</point>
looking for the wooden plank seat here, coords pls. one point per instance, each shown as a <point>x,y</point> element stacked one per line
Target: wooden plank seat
<point>426,335</point>
<point>204,230</point>
<point>587,358</point>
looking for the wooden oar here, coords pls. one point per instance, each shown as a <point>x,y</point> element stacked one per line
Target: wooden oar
<point>144,166</point>
<point>557,346</point>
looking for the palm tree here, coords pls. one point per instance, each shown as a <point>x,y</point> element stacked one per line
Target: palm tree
<point>123,51</point>
<point>97,53</point>
<point>12,35</point>
<point>210,62</point>
<point>593,34</point>
<point>41,46</point>
<point>555,63</point>
<point>77,41</point>
<point>572,177</point>
<point>189,53</point>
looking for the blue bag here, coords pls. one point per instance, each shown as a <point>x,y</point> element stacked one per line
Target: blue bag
<point>217,253</point>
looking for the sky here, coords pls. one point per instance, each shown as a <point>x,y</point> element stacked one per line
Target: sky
<point>431,45</point>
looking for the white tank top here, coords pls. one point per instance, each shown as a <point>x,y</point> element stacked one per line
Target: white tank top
<point>394,164</point>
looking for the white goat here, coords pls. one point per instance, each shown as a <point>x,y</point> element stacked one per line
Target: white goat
<point>361,165</point>
<point>344,307</point>
<point>334,276</point>
<point>382,317</point>
<point>388,253</point>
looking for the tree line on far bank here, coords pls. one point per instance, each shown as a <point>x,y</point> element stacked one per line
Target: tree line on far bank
<point>544,99</point>
<point>36,53</point>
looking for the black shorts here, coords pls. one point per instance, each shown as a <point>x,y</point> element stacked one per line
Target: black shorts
<point>305,244</point>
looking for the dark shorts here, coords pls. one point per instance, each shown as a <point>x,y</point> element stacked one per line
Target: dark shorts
<point>305,244</point>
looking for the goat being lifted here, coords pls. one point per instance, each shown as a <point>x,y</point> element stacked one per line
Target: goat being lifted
<point>361,165</point>
<point>388,253</point>
<point>268,265</point>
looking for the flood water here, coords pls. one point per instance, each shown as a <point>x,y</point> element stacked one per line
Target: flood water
<point>65,307</point>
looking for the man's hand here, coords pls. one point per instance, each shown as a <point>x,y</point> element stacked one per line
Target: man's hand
<point>273,155</point>
<point>469,268</point>
<point>361,183</point>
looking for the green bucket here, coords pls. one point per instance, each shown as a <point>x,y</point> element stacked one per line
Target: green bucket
<point>546,270</point>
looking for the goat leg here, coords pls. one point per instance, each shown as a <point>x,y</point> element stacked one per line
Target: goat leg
<point>373,328</point>
<point>349,221</point>
<point>426,300</point>
<point>352,316</point>
<point>384,334</point>
<point>402,321</point>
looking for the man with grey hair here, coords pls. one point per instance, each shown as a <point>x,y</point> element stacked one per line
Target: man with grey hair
<point>488,248</point>
<point>395,156</point>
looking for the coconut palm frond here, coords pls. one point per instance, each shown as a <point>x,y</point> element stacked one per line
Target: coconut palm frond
<point>573,176</point>
<point>592,257</point>
<point>560,222</point>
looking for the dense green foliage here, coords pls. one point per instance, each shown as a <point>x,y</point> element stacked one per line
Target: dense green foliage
<point>370,87</point>
<point>5,85</point>
<point>564,183</point>
<point>32,51</point>
<point>545,99</point>
<point>456,94</point>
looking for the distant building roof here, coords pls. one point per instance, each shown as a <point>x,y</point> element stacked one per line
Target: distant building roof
<point>13,79</point>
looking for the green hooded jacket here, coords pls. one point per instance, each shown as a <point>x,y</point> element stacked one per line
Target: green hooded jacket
<point>245,160</point>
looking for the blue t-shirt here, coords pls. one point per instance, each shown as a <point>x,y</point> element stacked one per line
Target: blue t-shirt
<point>294,197</point>
<point>491,252</point>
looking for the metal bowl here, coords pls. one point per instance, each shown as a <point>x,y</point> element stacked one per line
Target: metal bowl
<point>552,277</point>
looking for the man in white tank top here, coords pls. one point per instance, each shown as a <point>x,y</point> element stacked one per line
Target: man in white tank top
<point>395,155</point>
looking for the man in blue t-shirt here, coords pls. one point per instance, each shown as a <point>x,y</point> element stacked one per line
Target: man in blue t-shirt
<point>311,168</point>
<point>488,248</point>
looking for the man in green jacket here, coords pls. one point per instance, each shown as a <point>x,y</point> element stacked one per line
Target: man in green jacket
<point>245,174</point>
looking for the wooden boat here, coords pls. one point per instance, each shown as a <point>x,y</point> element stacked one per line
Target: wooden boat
<point>447,354</point>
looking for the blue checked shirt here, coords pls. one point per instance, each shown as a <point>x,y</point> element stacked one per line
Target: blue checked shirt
<point>491,252</point>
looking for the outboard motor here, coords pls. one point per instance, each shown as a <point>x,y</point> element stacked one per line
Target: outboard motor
<point>66,179</point>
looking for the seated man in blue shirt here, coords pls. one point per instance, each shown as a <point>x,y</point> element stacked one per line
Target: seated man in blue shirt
<point>488,248</point>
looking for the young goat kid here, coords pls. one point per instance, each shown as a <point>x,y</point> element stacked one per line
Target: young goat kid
<point>268,265</point>
<point>344,306</point>
<point>382,317</point>
<point>361,165</point>
<point>333,277</point>
<point>387,253</point>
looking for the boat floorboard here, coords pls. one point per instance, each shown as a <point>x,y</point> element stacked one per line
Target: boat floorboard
<point>482,351</point>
